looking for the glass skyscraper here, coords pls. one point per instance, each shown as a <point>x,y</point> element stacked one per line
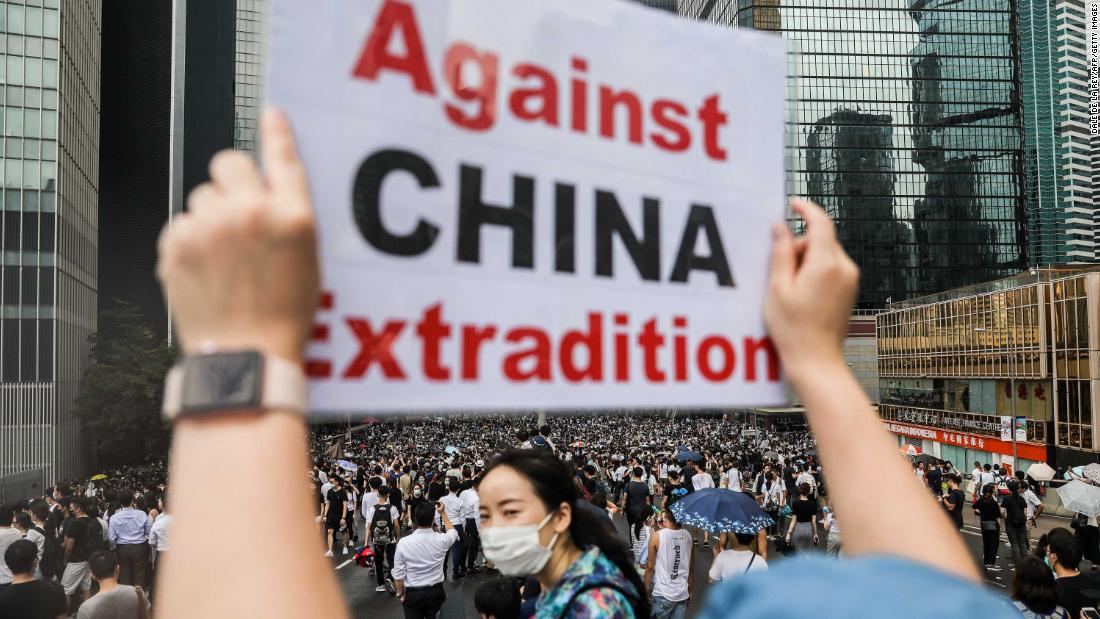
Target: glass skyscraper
<point>1063,209</point>
<point>249,71</point>
<point>50,75</point>
<point>905,125</point>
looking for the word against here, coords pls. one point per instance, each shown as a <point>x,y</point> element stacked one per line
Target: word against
<point>532,205</point>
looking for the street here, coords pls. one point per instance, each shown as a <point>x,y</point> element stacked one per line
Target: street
<point>359,585</point>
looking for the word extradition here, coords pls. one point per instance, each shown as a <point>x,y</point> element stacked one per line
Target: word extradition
<point>529,353</point>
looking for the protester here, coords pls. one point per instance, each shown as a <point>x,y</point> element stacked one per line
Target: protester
<point>8,536</point>
<point>739,557</point>
<point>114,600</point>
<point>670,570</point>
<point>1014,508</point>
<point>128,532</point>
<point>27,597</point>
<point>83,536</point>
<point>498,599</point>
<point>335,513</point>
<point>954,500</point>
<point>1034,590</point>
<point>420,563</point>
<point>530,526</point>
<point>989,516</point>
<point>833,540</point>
<point>383,532</point>
<point>802,532</point>
<point>456,512</point>
<point>1075,590</point>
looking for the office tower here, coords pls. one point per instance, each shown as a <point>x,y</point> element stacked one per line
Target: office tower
<point>51,95</point>
<point>665,5</point>
<point>939,79</point>
<point>251,21</point>
<point>1062,209</point>
<point>850,173</point>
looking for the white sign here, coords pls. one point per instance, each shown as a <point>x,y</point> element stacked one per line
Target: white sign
<point>537,204</point>
<point>1006,428</point>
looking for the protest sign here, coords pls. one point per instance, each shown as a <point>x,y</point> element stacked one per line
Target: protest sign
<point>542,204</point>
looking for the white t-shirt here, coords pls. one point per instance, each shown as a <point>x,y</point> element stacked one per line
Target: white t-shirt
<point>702,480</point>
<point>370,499</point>
<point>733,480</point>
<point>733,563</point>
<point>672,566</point>
<point>1032,502</point>
<point>8,536</point>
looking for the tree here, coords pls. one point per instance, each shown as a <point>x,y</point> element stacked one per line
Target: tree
<point>120,396</point>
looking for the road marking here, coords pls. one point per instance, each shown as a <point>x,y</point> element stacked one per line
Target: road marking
<point>344,563</point>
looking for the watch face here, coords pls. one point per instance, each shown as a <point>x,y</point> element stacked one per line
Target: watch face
<point>222,381</point>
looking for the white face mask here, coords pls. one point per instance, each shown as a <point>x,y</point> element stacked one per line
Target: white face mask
<point>516,551</point>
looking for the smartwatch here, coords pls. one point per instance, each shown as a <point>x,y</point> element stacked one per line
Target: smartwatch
<point>223,382</point>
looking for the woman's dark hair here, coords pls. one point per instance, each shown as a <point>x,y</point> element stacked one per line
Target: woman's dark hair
<point>804,489</point>
<point>498,598</point>
<point>552,481</point>
<point>746,539</point>
<point>1044,540</point>
<point>1033,585</point>
<point>988,489</point>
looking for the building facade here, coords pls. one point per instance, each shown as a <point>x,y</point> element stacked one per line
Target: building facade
<point>1060,165</point>
<point>905,123</point>
<point>51,75</point>
<point>251,26</point>
<point>956,369</point>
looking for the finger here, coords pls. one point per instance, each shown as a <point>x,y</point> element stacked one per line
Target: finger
<point>783,260</point>
<point>234,172</point>
<point>203,198</point>
<point>282,167</point>
<point>818,225</point>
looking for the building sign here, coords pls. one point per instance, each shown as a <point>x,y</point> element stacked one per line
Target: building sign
<point>532,203</point>
<point>967,422</point>
<point>1029,451</point>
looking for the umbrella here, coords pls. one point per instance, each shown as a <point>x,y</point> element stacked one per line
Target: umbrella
<point>1074,473</point>
<point>1040,471</point>
<point>927,459</point>
<point>1091,472</point>
<point>347,465</point>
<point>909,450</point>
<point>98,477</point>
<point>686,456</point>
<point>771,455</point>
<point>1077,496</point>
<point>451,449</point>
<point>720,510</point>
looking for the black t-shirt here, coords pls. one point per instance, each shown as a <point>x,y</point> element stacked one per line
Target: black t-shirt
<point>414,501</point>
<point>78,531</point>
<point>636,493</point>
<point>1015,507</point>
<point>934,479</point>
<point>957,498</point>
<point>589,484</point>
<point>1077,592</point>
<point>436,490</point>
<point>37,599</point>
<point>336,500</point>
<point>677,492</point>
<point>804,511</point>
<point>988,509</point>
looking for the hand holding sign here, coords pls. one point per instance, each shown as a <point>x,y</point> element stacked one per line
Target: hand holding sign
<point>240,267</point>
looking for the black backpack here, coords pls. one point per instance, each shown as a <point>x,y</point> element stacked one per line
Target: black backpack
<point>381,532</point>
<point>94,541</point>
<point>53,557</point>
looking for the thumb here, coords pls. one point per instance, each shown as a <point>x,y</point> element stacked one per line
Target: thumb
<point>783,259</point>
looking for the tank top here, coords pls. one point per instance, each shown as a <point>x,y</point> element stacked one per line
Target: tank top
<point>672,566</point>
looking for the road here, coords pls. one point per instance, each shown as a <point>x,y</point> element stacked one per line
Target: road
<point>359,586</point>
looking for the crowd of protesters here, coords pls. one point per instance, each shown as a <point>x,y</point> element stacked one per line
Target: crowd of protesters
<point>87,549</point>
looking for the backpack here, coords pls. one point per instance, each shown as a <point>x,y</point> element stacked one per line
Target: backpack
<point>93,541</point>
<point>381,532</point>
<point>53,557</point>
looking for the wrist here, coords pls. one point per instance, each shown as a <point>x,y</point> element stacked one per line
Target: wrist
<point>804,372</point>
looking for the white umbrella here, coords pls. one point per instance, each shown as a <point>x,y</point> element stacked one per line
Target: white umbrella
<point>1092,472</point>
<point>1078,496</point>
<point>1040,471</point>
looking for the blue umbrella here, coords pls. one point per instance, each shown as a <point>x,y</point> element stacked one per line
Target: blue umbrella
<point>685,456</point>
<point>451,449</point>
<point>347,465</point>
<point>721,510</point>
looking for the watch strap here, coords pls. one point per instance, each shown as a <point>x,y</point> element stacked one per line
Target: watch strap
<point>283,387</point>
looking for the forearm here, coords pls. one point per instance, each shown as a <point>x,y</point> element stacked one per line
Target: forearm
<point>267,448</point>
<point>858,454</point>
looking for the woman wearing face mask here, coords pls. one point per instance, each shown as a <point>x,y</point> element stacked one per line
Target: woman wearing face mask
<point>416,498</point>
<point>529,526</point>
